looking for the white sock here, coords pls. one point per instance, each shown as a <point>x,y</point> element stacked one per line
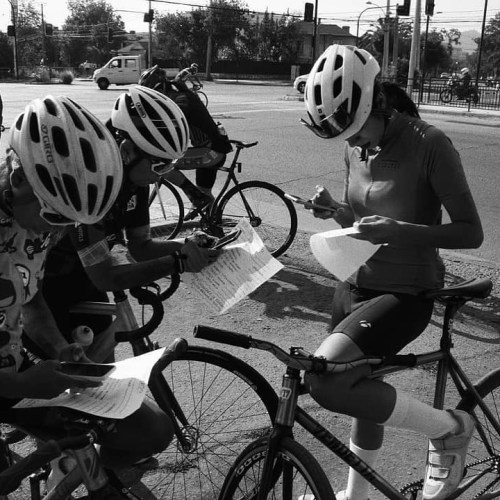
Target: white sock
<point>409,413</point>
<point>357,485</point>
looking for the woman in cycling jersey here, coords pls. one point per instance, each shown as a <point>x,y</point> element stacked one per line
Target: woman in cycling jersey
<point>147,126</point>
<point>400,173</point>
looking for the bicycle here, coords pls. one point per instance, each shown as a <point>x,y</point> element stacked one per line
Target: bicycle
<point>263,204</point>
<point>471,94</point>
<point>216,402</point>
<point>276,466</point>
<point>196,88</point>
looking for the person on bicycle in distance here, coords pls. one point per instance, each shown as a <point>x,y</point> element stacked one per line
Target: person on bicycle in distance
<point>400,173</point>
<point>85,264</point>
<point>208,144</point>
<point>189,74</point>
<point>463,83</point>
<point>63,167</point>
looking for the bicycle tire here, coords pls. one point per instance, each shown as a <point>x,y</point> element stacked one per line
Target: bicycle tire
<point>445,96</point>
<point>166,211</point>
<point>203,97</point>
<point>228,404</point>
<point>274,216</point>
<point>482,475</point>
<point>294,461</point>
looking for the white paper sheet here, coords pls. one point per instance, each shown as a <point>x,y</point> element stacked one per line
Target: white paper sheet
<point>120,394</point>
<point>340,254</point>
<point>241,268</point>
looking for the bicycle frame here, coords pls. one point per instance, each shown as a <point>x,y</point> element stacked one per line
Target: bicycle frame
<point>289,412</point>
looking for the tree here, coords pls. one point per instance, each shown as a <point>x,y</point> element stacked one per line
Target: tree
<point>29,34</point>
<point>436,55</point>
<point>490,54</point>
<point>86,32</point>
<point>6,52</point>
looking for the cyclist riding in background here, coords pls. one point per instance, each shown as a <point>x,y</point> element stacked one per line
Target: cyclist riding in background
<point>401,172</point>
<point>91,259</point>
<point>463,83</point>
<point>189,74</point>
<point>209,144</point>
<point>64,168</point>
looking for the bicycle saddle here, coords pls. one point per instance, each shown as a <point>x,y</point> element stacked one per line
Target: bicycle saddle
<point>475,288</point>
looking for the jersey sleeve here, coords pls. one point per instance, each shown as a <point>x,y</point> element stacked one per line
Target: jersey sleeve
<point>444,166</point>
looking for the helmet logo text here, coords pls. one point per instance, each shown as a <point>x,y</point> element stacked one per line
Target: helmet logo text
<point>46,144</point>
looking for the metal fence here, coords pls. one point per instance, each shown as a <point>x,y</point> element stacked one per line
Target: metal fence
<point>489,95</point>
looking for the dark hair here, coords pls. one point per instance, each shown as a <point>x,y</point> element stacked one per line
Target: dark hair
<point>397,98</point>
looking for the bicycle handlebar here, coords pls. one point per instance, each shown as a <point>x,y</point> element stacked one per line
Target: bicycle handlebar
<point>144,297</point>
<point>298,358</point>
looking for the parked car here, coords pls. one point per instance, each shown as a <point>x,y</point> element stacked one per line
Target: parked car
<point>300,83</point>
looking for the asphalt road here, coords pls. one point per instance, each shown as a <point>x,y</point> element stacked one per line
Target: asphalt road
<point>289,156</point>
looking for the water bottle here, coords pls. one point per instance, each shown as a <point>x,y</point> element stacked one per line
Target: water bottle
<point>83,335</point>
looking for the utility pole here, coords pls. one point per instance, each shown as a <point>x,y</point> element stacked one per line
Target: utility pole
<point>480,51</point>
<point>44,55</point>
<point>208,69</point>
<point>14,11</point>
<point>385,58</point>
<point>315,31</point>
<point>150,38</point>
<point>415,42</point>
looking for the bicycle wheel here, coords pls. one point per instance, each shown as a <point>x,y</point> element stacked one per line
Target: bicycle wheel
<point>296,473</point>
<point>445,96</point>
<point>264,205</point>
<point>166,210</point>
<point>483,455</point>
<point>203,97</point>
<point>228,404</point>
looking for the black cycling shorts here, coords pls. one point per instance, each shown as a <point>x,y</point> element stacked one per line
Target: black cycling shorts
<point>380,323</point>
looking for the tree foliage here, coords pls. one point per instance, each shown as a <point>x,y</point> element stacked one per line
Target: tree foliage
<point>86,32</point>
<point>490,54</point>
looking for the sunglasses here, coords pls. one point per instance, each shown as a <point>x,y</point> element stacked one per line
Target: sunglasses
<point>333,125</point>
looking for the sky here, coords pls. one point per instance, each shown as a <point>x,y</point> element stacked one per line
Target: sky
<point>462,14</point>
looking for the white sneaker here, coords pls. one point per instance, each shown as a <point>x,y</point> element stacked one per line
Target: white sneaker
<point>446,459</point>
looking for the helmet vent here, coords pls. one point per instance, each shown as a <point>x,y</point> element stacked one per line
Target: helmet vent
<point>60,141</point>
<point>45,178</point>
<point>96,128</point>
<point>19,122</point>
<point>339,62</point>
<point>91,198</point>
<point>88,156</point>
<point>71,189</point>
<point>337,87</point>
<point>356,98</point>
<point>34,132</point>
<point>360,56</point>
<point>76,119</point>
<point>50,106</point>
<point>321,65</point>
<point>107,193</point>
<point>317,95</point>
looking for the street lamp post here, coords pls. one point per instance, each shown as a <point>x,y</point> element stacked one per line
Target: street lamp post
<point>14,12</point>
<point>359,18</point>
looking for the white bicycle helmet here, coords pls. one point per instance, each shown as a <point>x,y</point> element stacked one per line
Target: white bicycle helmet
<point>154,122</point>
<point>339,91</point>
<point>70,159</point>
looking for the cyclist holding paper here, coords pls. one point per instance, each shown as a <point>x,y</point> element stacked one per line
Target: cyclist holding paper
<point>400,173</point>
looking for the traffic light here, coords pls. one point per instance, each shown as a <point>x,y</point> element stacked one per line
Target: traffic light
<point>110,35</point>
<point>429,7</point>
<point>309,12</point>
<point>49,29</point>
<point>148,16</point>
<point>404,10</point>
<point>11,30</point>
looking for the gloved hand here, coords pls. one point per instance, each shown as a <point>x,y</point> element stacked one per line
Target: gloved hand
<point>201,239</point>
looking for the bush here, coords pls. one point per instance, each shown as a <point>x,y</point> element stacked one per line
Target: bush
<point>66,77</point>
